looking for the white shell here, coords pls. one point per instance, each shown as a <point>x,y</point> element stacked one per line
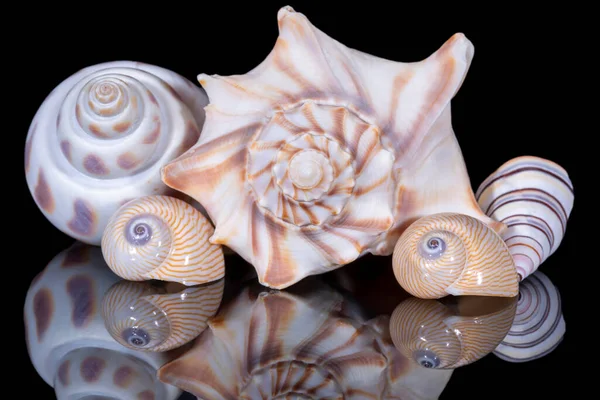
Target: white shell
<point>100,138</point>
<point>66,339</point>
<point>322,154</point>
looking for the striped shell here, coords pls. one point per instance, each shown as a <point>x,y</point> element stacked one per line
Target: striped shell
<point>435,335</point>
<point>322,154</point>
<point>162,238</point>
<point>146,317</point>
<point>455,254</point>
<point>539,325</point>
<point>100,138</point>
<point>534,198</point>
<point>68,343</point>
<point>309,344</point>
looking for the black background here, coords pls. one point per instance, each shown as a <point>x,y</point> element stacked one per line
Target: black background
<point>509,105</point>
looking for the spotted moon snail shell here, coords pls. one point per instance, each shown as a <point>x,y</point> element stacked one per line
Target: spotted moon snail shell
<point>100,138</point>
<point>539,325</point>
<point>162,238</point>
<point>147,317</point>
<point>67,341</point>
<point>453,254</point>
<point>445,336</point>
<point>534,197</point>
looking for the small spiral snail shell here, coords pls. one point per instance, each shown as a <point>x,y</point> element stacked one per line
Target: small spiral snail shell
<point>143,316</point>
<point>539,325</point>
<point>534,198</point>
<point>100,138</point>
<point>162,238</point>
<point>455,254</point>
<point>436,335</point>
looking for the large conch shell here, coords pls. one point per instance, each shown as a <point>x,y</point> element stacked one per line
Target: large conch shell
<point>162,238</point>
<point>68,343</point>
<point>149,317</point>
<point>322,153</point>
<point>100,138</point>
<point>539,325</point>
<point>310,343</point>
<point>451,335</point>
<point>534,198</point>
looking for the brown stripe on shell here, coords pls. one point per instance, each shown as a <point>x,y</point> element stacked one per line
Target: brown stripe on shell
<point>307,112</point>
<point>505,175</point>
<point>287,68</point>
<point>192,134</point>
<point>65,147</point>
<point>28,145</point>
<point>122,127</point>
<point>97,130</point>
<point>146,395</point>
<point>128,161</point>
<point>280,120</point>
<point>63,372</point>
<point>81,292</point>
<point>91,368</point>
<point>94,165</point>
<point>281,268</point>
<point>171,90</point>
<point>78,254</point>
<point>43,310</point>
<point>85,220</point>
<point>123,376</point>
<point>359,191</point>
<point>78,113</point>
<point>151,97</point>
<point>43,194</point>
<point>398,86</point>
<point>280,312</point>
<point>153,136</point>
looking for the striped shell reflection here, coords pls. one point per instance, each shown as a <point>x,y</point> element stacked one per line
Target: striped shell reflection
<point>455,254</point>
<point>434,335</point>
<point>144,316</point>
<point>534,198</point>
<point>162,238</point>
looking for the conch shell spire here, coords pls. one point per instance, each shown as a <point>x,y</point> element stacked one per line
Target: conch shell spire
<point>315,157</point>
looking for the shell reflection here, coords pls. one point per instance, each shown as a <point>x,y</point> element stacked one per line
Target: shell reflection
<point>539,325</point>
<point>157,317</point>
<point>308,343</point>
<point>438,335</point>
<point>68,344</point>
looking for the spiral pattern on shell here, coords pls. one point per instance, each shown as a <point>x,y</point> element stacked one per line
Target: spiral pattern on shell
<point>144,317</point>
<point>100,138</point>
<point>455,254</point>
<point>433,335</point>
<point>163,238</point>
<point>539,325</point>
<point>534,198</point>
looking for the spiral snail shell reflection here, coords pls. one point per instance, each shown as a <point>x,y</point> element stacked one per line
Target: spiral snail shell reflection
<point>453,254</point>
<point>147,317</point>
<point>67,342</point>
<point>322,154</point>
<point>534,198</point>
<point>539,325</point>
<point>437,335</point>
<point>162,238</point>
<point>100,138</point>
<point>308,343</point>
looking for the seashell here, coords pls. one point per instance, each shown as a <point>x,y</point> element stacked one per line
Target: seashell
<point>539,325</point>
<point>330,152</point>
<point>163,238</point>
<point>455,254</point>
<point>534,198</point>
<point>100,138</point>
<point>67,342</point>
<point>307,344</point>
<point>437,335</point>
<point>147,317</point>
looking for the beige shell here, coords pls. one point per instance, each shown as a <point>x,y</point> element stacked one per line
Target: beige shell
<point>147,317</point>
<point>311,343</point>
<point>437,335</point>
<point>534,198</point>
<point>162,238</point>
<point>322,153</point>
<point>455,254</point>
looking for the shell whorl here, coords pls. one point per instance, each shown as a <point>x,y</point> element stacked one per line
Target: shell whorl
<point>142,316</point>
<point>162,238</point>
<point>539,325</point>
<point>455,254</point>
<point>100,138</point>
<point>433,335</point>
<point>534,198</point>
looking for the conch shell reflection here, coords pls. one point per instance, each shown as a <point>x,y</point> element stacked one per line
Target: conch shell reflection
<point>438,335</point>
<point>308,342</point>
